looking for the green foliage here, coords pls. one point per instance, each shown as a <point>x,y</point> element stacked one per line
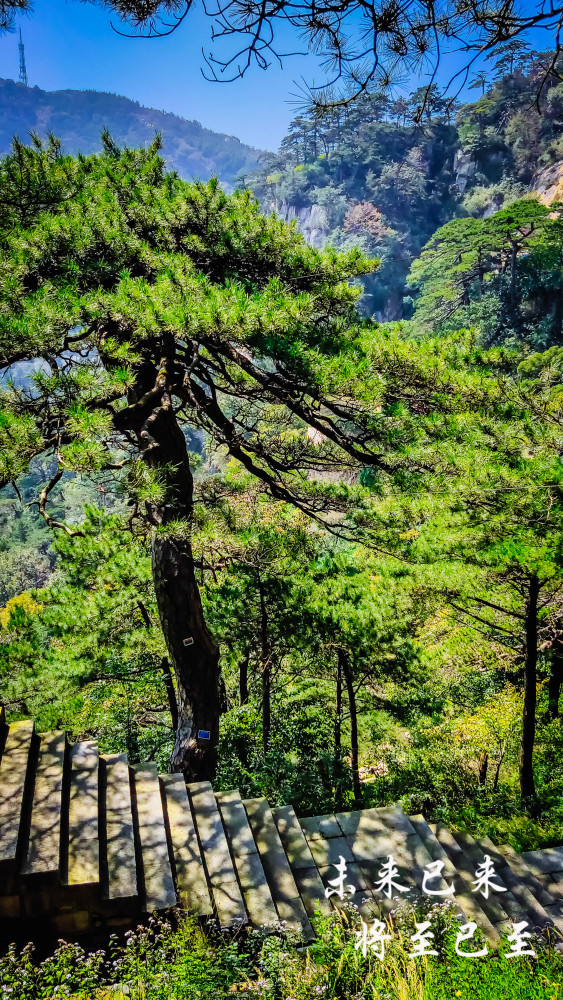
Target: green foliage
<point>162,963</point>
<point>428,775</point>
<point>472,160</point>
<point>511,262</point>
<point>299,767</point>
<point>371,152</point>
<point>87,644</point>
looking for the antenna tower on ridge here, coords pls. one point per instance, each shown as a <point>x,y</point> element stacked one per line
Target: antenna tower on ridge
<point>23,71</point>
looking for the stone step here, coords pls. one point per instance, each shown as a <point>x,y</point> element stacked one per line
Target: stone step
<point>15,772</point>
<point>277,868</point>
<point>476,856</point>
<point>83,863</point>
<point>320,827</point>
<point>257,896</point>
<point>529,907</point>
<point>189,872</point>
<point>464,897</point>
<point>221,874</point>
<point>118,862</point>
<point>155,873</point>
<point>546,862</point>
<point>377,834</point>
<point>42,852</point>
<point>526,876</point>
<point>326,844</point>
<point>302,863</point>
<point>466,867</point>
<point>548,886</point>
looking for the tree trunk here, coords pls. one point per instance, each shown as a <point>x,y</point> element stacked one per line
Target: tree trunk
<point>243,679</point>
<point>513,261</point>
<point>527,786</point>
<point>338,720</point>
<point>170,692</point>
<point>266,706</point>
<point>554,685</point>
<point>266,669</point>
<point>349,681</point>
<point>497,771</point>
<point>194,655</point>
<point>151,417</point>
<point>483,767</point>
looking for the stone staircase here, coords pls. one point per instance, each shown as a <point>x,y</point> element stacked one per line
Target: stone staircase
<point>89,844</point>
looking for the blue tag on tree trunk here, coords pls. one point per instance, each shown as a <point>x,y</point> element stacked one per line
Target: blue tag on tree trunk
<point>203,734</point>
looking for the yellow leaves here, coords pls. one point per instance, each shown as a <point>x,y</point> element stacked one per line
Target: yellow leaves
<point>410,534</point>
<point>111,993</point>
<point>22,601</point>
<point>494,725</point>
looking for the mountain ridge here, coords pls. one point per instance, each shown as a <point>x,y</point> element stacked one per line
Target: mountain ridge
<point>77,117</point>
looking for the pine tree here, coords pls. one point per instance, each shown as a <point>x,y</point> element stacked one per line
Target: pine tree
<point>147,305</point>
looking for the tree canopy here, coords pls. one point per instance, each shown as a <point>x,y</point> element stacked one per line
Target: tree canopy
<point>146,306</point>
<point>363,45</point>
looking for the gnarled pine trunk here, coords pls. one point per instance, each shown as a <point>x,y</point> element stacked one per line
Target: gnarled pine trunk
<point>194,654</point>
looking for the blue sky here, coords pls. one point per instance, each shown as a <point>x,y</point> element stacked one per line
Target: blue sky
<point>70,44</point>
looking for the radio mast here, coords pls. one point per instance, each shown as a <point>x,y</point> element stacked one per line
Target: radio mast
<point>23,71</point>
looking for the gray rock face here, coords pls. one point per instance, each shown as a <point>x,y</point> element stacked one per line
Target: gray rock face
<point>312,221</point>
<point>464,169</point>
<point>547,184</point>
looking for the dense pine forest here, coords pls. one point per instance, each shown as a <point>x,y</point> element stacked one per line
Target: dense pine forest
<point>285,465</point>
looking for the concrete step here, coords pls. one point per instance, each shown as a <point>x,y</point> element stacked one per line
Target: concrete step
<point>476,856</point>
<point>377,834</point>
<point>43,849</point>
<point>464,897</point>
<point>320,827</point>
<point>83,861</point>
<point>547,888</point>
<point>189,872</point>
<point>155,873</point>
<point>118,861</point>
<point>466,867</point>
<point>16,770</point>
<point>221,874</point>
<point>526,876</point>
<point>326,844</point>
<point>529,907</point>
<point>544,863</point>
<point>257,896</point>
<point>302,863</point>
<point>283,886</point>
<point>351,836</point>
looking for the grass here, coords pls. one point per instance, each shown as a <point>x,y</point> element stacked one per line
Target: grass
<point>187,962</point>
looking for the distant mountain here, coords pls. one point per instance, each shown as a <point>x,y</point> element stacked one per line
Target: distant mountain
<point>77,117</point>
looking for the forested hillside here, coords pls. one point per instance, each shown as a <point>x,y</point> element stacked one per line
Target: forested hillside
<point>387,173</point>
<point>77,118</point>
<point>209,456</point>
